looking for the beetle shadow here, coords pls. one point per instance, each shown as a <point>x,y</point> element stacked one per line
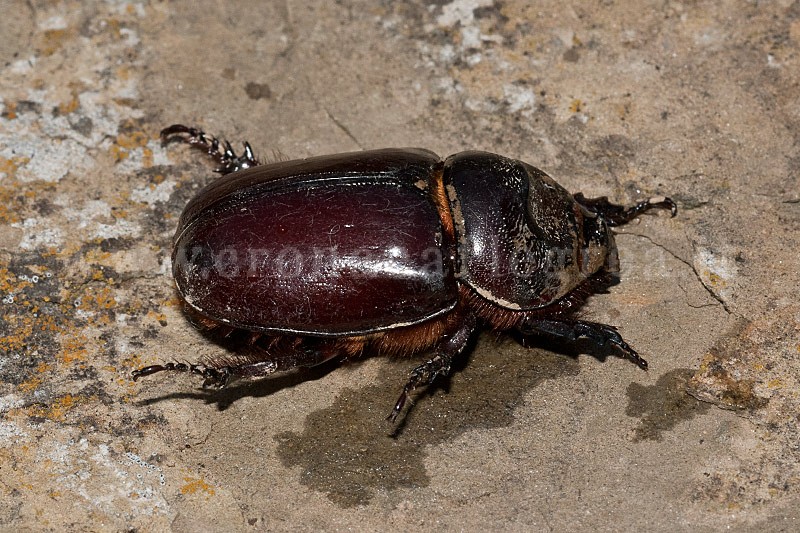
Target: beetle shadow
<point>562,347</point>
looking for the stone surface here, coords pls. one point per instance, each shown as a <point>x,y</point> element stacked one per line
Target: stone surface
<point>627,99</point>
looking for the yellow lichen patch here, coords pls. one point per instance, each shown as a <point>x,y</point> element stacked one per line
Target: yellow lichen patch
<point>174,301</point>
<point>147,157</point>
<point>54,39</point>
<point>96,256</point>
<point>9,283</point>
<point>577,106</point>
<point>48,324</point>
<point>56,411</point>
<point>99,275</point>
<point>714,279</point>
<point>133,139</point>
<point>161,318</point>
<point>73,348</point>
<point>194,485</point>
<point>715,381</point>
<point>17,340</point>
<point>118,153</point>
<point>114,26</point>
<point>133,361</point>
<point>775,383</point>
<point>123,72</point>
<point>15,195</point>
<point>34,382</point>
<point>9,111</point>
<point>70,106</point>
<point>9,166</point>
<point>97,298</point>
<point>127,142</point>
<point>30,385</point>
<point>119,213</point>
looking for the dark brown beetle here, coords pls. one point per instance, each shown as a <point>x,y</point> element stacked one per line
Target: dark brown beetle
<point>393,251</point>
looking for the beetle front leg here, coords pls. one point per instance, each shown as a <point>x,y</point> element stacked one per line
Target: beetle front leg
<point>617,215</point>
<point>221,151</point>
<point>572,330</point>
<point>438,365</point>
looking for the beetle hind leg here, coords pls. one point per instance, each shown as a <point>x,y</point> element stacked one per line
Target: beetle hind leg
<point>573,330</point>
<point>617,215</point>
<point>260,358</point>
<point>221,151</point>
<point>215,377</point>
<point>438,365</point>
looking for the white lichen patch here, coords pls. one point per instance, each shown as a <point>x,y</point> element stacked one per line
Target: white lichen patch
<point>10,433</point>
<point>122,228</point>
<point>104,481</point>
<point>36,235</point>
<point>153,194</point>
<point>151,154</point>
<point>520,99</point>
<point>91,210</point>
<point>461,12</point>
<point>140,259</point>
<point>135,459</point>
<point>44,159</point>
<point>717,271</point>
<point>56,22</point>
<point>95,220</point>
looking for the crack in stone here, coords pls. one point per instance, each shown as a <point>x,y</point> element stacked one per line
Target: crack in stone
<point>708,289</point>
<point>342,127</point>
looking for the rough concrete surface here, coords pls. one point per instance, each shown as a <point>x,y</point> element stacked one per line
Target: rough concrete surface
<point>695,99</point>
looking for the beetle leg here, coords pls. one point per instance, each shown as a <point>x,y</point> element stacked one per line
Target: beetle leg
<point>438,365</point>
<point>218,373</point>
<point>573,330</point>
<point>218,377</point>
<point>617,215</point>
<point>221,151</point>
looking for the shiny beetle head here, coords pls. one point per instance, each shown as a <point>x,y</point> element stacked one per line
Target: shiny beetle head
<point>597,244</point>
<point>523,241</point>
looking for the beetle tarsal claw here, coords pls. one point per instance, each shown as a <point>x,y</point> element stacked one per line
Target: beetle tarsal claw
<point>220,150</point>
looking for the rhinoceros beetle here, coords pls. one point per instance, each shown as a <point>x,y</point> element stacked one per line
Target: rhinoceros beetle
<point>391,251</point>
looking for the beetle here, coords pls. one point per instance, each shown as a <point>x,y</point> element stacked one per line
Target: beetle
<point>395,251</point>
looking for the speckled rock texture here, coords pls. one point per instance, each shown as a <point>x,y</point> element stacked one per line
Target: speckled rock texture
<point>629,99</point>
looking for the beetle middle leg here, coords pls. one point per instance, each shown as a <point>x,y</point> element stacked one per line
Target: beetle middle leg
<point>617,215</point>
<point>221,151</point>
<point>438,365</point>
<point>572,330</point>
